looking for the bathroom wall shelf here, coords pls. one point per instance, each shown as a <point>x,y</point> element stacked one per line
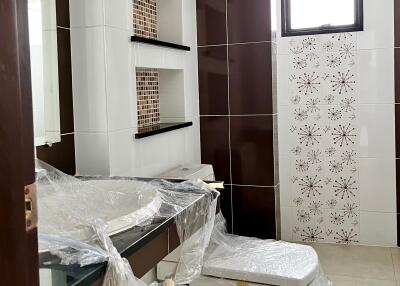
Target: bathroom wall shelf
<point>138,39</point>
<point>161,128</point>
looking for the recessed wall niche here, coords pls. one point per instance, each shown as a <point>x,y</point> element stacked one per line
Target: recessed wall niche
<point>160,96</point>
<point>158,20</point>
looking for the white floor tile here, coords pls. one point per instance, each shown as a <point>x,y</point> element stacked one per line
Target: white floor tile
<point>356,261</point>
<point>338,280</point>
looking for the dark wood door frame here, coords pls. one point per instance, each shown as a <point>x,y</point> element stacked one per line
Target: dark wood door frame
<point>18,247</point>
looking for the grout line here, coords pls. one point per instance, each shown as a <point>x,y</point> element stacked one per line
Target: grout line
<point>253,186</point>
<point>238,115</point>
<point>216,45</point>
<point>247,43</point>
<point>65,134</point>
<point>234,44</point>
<point>63,28</point>
<point>229,108</point>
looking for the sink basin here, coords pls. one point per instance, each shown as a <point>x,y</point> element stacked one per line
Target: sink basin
<point>69,208</point>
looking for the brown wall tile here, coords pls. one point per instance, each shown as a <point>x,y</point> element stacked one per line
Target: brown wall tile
<point>226,206</point>
<point>173,238</point>
<point>396,23</point>
<point>398,229</point>
<point>65,81</point>
<point>249,21</point>
<point>397,73</point>
<point>398,186</point>
<point>215,145</point>
<point>397,129</point>
<point>250,93</point>
<point>254,211</point>
<point>60,155</point>
<point>149,255</point>
<point>213,80</point>
<point>211,22</point>
<point>252,150</point>
<point>250,79</point>
<point>62,13</point>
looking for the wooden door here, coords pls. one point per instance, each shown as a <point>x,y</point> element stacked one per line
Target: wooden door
<point>18,246</point>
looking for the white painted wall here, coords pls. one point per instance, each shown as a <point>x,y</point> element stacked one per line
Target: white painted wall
<point>375,142</point>
<point>104,62</point>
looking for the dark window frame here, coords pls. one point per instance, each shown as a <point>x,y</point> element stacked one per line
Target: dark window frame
<point>287,31</point>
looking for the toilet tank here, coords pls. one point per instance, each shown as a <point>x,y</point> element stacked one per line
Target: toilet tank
<point>191,172</point>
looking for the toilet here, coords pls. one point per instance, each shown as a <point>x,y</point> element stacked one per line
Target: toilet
<point>236,260</point>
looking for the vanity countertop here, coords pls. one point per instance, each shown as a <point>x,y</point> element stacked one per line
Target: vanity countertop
<point>127,243</point>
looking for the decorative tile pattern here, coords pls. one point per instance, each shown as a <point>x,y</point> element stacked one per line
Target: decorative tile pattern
<point>145,18</point>
<point>148,97</point>
<point>323,138</point>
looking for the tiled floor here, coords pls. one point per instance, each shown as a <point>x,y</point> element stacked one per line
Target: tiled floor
<point>360,265</point>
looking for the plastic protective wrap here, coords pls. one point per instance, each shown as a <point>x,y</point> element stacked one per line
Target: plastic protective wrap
<point>78,216</point>
<point>257,261</point>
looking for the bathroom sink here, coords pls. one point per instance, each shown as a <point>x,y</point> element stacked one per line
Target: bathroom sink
<point>70,209</point>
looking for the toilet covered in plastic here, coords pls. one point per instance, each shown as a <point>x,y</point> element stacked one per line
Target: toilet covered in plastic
<point>254,261</point>
<point>230,259</point>
<point>265,262</point>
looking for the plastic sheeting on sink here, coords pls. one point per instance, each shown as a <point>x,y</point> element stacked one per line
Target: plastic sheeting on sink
<point>77,218</point>
<point>121,204</point>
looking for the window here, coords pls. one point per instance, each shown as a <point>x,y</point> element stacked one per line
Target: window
<point>306,17</point>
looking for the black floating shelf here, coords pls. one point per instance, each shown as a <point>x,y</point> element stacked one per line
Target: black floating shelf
<point>160,128</point>
<point>159,43</point>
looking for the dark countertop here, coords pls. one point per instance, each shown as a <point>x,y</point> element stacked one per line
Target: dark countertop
<point>127,243</point>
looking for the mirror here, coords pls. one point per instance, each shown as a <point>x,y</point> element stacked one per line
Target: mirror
<point>44,71</point>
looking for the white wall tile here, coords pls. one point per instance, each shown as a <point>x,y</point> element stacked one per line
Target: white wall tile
<point>121,152</point>
<point>284,180</point>
<point>91,152</point>
<point>376,129</point>
<point>284,90</point>
<point>86,13</point>
<point>121,100</point>
<point>374,113</point>
<point>172,96</point>
<point>105,92</point>
<point>284,139</point>
<point>49,21</point>
<point>119,14</point>
<point>378,25</point>
<point>192,143</point>
<point>377,184</point>
<point>148,56</point>
<point>375,69</point>
<point>169,20</point>
<point>153,155</point>
<point>176,144</point>
<point>89,81</point>
<point>287,223</point>
<point>378,229</point>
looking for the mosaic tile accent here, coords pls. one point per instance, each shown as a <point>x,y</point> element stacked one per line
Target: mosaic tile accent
<point>323,135</point>
<point>145,18</point>
<point>148,97</point>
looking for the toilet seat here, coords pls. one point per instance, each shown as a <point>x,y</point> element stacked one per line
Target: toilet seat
<point>263,261</point>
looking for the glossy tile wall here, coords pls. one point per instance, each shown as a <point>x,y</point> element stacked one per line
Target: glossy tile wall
<point>235,53</point>
<point>324,196</point>
<point>104,62</point>
<point>62,155</point>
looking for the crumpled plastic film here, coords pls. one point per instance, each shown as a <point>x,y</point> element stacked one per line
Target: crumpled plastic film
<point>78,216</point>
<point>252,260</point>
